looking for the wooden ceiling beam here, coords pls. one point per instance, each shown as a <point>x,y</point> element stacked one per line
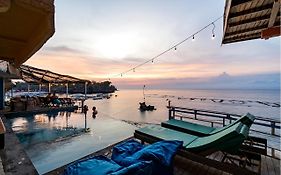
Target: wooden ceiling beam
<point>241,38</point>
<point>274,11</point>
<point>246,30</point>
<point>239,2</point>
<point>247,21</point>
<point>250,11</point>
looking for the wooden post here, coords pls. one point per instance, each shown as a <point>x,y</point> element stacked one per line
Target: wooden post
<point>228,116</point>
<point>170,114</point>
<point>12,93</point>
<point>273,128</point>
<point>49,87</point>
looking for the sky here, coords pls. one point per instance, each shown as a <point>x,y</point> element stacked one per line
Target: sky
<point>97,40</point>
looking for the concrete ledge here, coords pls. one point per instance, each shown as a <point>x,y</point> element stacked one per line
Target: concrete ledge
<point>14,158</point>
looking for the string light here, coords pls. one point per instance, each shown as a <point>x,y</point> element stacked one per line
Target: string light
<point>213,31</point>
<point>174,47</point>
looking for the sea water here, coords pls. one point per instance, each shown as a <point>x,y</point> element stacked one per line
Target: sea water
<point>53,140</point>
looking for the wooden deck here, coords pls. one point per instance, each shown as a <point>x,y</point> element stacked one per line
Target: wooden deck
<point>184,166</point>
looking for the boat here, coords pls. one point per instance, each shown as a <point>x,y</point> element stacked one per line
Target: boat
<point>144,107</point>
<point>98,96</point>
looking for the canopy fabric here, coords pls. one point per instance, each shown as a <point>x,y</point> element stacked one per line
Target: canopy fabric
<point>25,26</point>
<point>251,19</point>
<point>35,75</point>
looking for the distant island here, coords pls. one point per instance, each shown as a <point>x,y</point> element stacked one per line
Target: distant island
<point>94,87</point>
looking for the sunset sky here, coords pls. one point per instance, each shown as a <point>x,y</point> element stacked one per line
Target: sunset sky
<point>98,39</point>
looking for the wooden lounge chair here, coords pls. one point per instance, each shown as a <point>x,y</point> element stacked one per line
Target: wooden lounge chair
<point>202,130</point>
<point>197,148</point>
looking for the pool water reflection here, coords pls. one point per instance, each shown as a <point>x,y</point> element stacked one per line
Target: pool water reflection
<point>55,139</point>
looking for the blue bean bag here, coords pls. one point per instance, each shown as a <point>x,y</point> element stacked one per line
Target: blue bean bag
<point>160,153</point>
<point>101,165</point>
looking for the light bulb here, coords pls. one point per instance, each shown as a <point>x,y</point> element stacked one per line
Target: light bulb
<point>214,36</point>
<point>193,39</point>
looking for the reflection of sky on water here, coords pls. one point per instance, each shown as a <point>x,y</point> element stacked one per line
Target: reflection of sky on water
<point>49,142</point>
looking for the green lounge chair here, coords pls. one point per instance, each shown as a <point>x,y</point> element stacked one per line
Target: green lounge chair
<point>197,148</point>
<point>228,140</point>
<point>201,130</point>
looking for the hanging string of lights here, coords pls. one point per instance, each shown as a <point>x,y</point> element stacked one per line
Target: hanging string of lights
<point>174,47</point>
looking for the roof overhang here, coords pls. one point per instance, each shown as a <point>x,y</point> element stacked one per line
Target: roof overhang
<point>25,26</point>
<point>251,19</point>
<point>35,75</point>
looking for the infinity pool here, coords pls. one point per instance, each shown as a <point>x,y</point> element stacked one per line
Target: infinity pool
<point>55,139</point>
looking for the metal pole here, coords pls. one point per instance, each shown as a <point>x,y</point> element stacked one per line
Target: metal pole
<point>66,89</point>
<point>40,87</point>
<point>49,87</point>
<point>85,90</point>
<point>28,87</point>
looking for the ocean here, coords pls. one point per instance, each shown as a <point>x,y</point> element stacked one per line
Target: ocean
<point>263,103</point>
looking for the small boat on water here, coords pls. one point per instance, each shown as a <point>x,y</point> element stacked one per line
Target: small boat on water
<point>144,107</point>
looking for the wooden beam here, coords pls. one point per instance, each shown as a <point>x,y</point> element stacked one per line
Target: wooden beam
<point>274,11</point>
<point>239,2</point>
<point>246,30</point>
<point>250,11</point>
<point>240,39</point>
<point>270,32</point>
<point>247,21</point>
<point>226,13</point>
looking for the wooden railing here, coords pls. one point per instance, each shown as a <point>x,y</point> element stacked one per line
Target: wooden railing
<point>214,118</point>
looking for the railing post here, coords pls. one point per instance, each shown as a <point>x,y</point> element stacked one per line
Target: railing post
<point>195,114</point>
<point>272,128</point>
<point>174,112</point>
<point>223,122</point>
<point>273,152</point>
<point>170,114</point>
<point>228,116</point>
